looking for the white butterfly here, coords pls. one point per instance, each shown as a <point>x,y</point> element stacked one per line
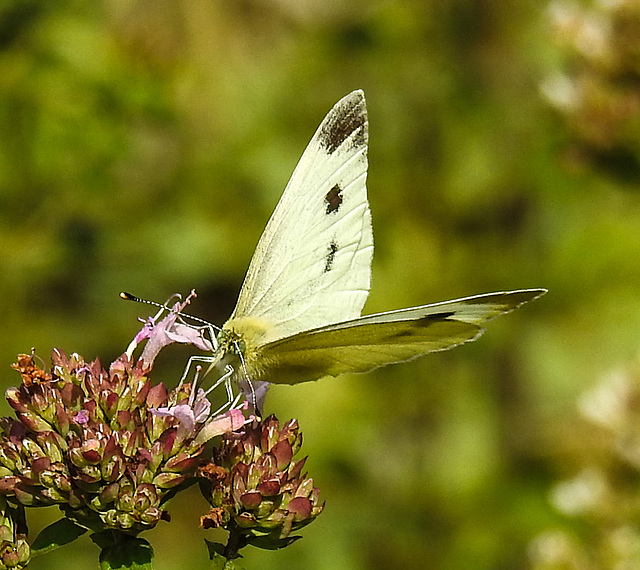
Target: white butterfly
<point>298,316</point>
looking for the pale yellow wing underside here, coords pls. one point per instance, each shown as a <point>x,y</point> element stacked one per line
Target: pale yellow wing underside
<point>362,344</point>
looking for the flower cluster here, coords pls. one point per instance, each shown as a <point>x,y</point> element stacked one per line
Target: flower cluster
<point>257,490</point>
<point>89,439</point>
<point>110,448</point>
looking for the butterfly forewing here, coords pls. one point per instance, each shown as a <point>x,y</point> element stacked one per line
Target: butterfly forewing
<point>312,265</point>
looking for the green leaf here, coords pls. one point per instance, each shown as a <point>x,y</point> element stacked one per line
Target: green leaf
<point>56,535</point>
<point>121,551</point>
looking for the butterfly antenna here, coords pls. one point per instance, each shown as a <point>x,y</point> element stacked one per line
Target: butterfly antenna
<point>129,297</point>
<point>164,306</point>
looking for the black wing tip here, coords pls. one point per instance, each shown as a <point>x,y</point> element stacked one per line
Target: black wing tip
<point>353,98</point>
<point>347,121</point>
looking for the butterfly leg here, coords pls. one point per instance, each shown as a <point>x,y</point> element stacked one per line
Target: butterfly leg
<point>232,402</point>
<point>192,360</point>
<point>225,379</point>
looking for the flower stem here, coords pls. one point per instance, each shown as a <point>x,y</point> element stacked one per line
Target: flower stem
<point>236,541</point>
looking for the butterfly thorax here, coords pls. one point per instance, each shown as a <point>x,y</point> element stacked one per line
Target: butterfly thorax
<point>240,340</point>
<point>250,331</point>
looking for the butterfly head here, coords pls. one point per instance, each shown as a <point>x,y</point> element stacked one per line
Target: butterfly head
<point>230,342</point>
<point>244,335</point>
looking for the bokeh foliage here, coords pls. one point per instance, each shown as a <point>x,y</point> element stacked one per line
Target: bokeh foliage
<point>143,146</point>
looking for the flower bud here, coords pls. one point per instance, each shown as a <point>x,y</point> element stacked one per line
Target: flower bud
<point>256,487</point>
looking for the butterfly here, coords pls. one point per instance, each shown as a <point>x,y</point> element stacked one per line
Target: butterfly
<point>298,316</point>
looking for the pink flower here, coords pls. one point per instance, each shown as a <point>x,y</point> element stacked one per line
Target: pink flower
<point>167,331</point>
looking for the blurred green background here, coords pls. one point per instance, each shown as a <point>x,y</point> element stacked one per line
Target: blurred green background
<point>143,146</point>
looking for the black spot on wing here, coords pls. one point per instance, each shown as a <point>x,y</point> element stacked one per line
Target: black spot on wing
<point>437,317</point>
<point>343,122</point>
<point>333,199</point>
<point>331,254</point>
<point>422,322</point>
